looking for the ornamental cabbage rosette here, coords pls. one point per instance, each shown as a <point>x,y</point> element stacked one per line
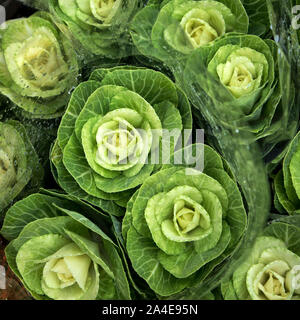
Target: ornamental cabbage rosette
<point>19,163</point>
<point>272,269</point>
<point>287,189</point>
<point>237,75</point>
<point>38,66</point>
<point>179,226</point>
<point>99,25</point>
<point>59,254</point>
<point>171,29</point>
<point>112,124</point>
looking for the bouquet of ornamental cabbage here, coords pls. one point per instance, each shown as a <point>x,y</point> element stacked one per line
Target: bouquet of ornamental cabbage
<point>38,66</point>
<point>19,163</point>
<point>182,223</point>
<point>59,254</point>
<point>112,124</point>
<point>272,269</point>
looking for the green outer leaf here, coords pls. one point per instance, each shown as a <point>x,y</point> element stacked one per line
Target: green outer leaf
<point>211,159</point>
<point>281,195</point>
<point>76,104</point>
<point>288,166</point>
<point>127,220</point>
<point>228,292</point>
<point>117,267</point>
<point>236,215</point>
<point>152,85</point>
<point>29,168</point>
<point>38,206</point>
<point>143,255</point>
<point>85,222</point>
<point>67,182</point>
<point>106,289</point>
<point>284,187</point>
<point>25,211</point>
<point>288,233</point>
<point>258,15</point>
<point>141,32</point>
<point>184,109</point>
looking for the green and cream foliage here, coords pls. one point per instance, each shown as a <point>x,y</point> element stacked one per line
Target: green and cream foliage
<point>182,223</point>
<point>112,124</point>
<point>60,254</point>
<point>38,66</point>
<point>239,74</point>
<point>172,29</point>
<point>272,269</point>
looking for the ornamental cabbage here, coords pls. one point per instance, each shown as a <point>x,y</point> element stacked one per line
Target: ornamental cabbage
<point>272,269</point>
<point>112,123</point>
<point>237,76</point>
<point>60,254</point>
<point>38,66</point>
<point>171,29</point>
<point>181,224</point>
